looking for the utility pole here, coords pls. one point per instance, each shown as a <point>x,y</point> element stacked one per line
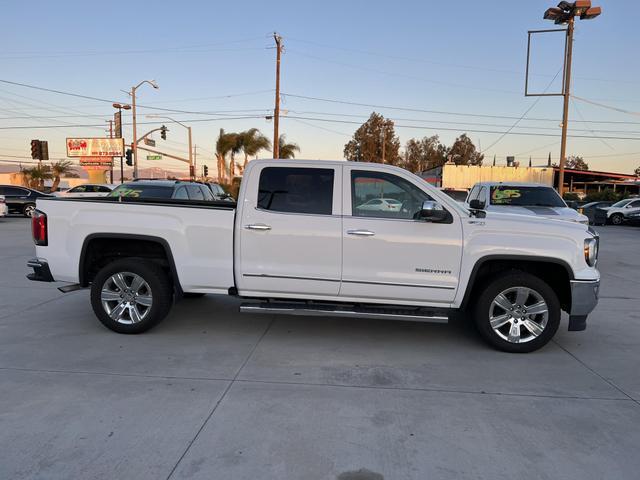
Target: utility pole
<point>276,110</point>
<point>384,142</point>
<point>565,109</point>
<point>195,151</point>
<point>111,136</point>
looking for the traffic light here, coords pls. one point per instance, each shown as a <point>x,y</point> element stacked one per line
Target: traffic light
<point>163,132</point>
<point>36,150</point>
<point>192,171</point>
<point>44,150</point>
<point>129,156</point>
<point>205,171</point>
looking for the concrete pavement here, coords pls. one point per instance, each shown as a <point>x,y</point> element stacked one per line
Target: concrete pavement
<point>213,394</point>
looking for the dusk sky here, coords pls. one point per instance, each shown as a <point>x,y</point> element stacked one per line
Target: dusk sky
<point>466,62</point>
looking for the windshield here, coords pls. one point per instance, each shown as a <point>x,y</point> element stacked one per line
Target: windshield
<point>525,196</point>
<point>621,203</point>
<point>141,190</point>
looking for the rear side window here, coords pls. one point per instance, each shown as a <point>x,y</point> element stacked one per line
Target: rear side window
<point>208,196</point>
<point>102,189</point>
<point>80,189</point>
<point>181,194</point>
<point>194,192</point>
<point>142,191</point>
<point>296,190</point>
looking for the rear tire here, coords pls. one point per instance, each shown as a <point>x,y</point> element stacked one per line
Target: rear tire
<point>131,295</point>
<point>28,209</point>
<point>517,312</point>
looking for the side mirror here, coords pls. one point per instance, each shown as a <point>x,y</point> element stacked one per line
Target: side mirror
<point>476,204</point>
<point>433,212</point>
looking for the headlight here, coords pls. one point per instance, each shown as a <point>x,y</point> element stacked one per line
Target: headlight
<point>591,251</point>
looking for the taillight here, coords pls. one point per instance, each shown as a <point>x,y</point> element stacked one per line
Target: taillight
<point>39,228</point>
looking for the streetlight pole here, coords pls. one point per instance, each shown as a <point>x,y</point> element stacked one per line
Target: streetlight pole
<point>191,162</point>
<point>133,112</point>
<point>565,108</point>
<point>565,14</point>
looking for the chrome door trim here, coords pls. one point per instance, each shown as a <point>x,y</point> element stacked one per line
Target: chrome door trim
<point>289,277</point>
<point>391,284</point>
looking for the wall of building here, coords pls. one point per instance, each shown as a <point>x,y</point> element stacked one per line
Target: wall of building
<point>16,178</point>
<point>465,176</point>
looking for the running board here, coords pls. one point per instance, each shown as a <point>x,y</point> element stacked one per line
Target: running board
<point>432,315</point>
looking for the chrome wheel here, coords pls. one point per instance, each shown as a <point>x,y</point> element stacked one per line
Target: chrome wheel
<point>126,298</point>
<point>518,314</point>
<point>28,210</point>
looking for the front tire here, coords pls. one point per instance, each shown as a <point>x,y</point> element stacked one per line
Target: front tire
<point>131,295</point>
<point>517,313</point>
<point>617,219</point>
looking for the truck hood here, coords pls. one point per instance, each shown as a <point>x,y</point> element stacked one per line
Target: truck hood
<point>555,213</point>
<point>502,219</point>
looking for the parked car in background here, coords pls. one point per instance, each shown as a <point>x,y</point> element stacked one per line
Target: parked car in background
<point>458,194</point>
<point>589,209</point>
<point>87,190</point>
<point>219,193</point>
<point>523,199</point>
<point>4,211</point>
<point>619,212</point>
<point>163,189</point>
<point>21,199</point>
<point>381,204</point>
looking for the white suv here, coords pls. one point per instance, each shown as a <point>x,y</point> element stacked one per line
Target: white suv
<point>619,212</point>
<point>523,199</point>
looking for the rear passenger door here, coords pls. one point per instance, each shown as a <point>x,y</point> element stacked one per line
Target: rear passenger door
<point>290,241</point>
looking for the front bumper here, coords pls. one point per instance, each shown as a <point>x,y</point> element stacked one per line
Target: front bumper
<point>584,298</point>
<point>41,272</point>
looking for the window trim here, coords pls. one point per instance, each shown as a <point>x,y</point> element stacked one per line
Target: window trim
<point>335,188</point>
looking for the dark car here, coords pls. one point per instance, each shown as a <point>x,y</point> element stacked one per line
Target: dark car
<point>589,209</point>
<point>169,189</point>
<point>218,192</point>
<point>21,199</point>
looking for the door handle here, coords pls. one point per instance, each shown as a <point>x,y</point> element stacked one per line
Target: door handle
<point>361,233</point>
<point>258,226</point>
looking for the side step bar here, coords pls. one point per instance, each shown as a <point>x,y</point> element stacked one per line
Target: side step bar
<point>433,315</point>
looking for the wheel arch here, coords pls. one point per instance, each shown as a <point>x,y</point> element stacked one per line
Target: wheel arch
<point>556,272</point>
<point>123,245</point>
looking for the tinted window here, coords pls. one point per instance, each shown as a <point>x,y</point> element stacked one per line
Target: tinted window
<point>16,192</point>
<point>378,194</point>
<point>181,193</point>
<point>208,196</point>
<point>635,204</point>
<point>79,189</point>
<point>296,190</point>
<point>194,192</point>
<point>525,196</point>
<point>142,191</point>
<point>102,189</point>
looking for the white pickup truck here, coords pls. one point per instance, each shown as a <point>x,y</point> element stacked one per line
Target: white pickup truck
<point>304,239</point>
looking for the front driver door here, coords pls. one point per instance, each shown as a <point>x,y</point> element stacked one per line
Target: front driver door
<point>389,255</point>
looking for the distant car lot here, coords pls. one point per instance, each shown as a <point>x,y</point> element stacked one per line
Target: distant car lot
<point>211,393</point>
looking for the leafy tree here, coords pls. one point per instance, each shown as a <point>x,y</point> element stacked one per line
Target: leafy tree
<point>424,154</point>
<point>35,176</point>
<point>463,152</point>
<point>62,168</point>
<point>225,145</point>
<point>252,142</point>
<point>637,172</point>
<point>575,162</point>
<point>367,142</point>
<point>287,150</point>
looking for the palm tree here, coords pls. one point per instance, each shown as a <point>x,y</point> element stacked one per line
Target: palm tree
<point>225,144</point>
<point>59,169</point>
<point>287,150</point>
<point>252,142</point>
<point>36,176</point>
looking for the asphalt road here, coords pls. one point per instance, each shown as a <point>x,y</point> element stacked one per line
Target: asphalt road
<point>212,394</point>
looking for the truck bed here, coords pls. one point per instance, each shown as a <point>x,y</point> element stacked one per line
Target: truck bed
<point>198,235</point>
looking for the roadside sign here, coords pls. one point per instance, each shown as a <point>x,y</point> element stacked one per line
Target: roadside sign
<point>95,147</point>
<point>149,142</point>
<point>154,157</point>
<point>118,123</point>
